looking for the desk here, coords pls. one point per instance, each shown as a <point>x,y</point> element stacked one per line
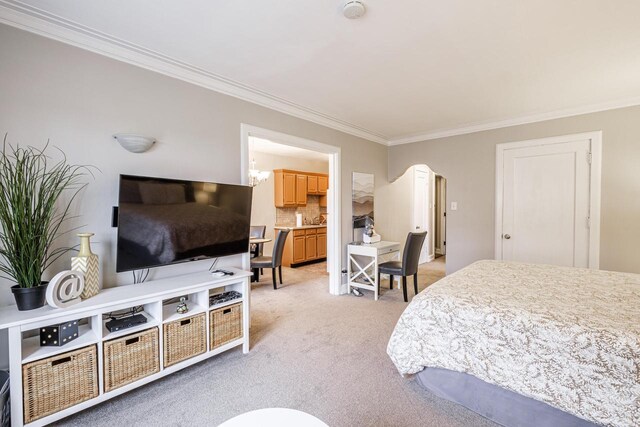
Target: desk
<point>363,278</point>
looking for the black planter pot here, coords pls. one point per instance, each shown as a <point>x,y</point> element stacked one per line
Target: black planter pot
<point>30,298</point>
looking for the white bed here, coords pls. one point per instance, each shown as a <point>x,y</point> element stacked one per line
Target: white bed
<point>565,336</point>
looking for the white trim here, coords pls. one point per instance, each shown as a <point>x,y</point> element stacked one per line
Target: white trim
<point>515,121</point>
<point>38,21</point>
<point>595,187</point>
<point>334,236</point>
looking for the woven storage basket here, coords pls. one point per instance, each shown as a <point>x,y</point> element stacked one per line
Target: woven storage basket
<point>225,325</point>
<point>184,339</point>
<point>58,382</point>
<point>130,358</point>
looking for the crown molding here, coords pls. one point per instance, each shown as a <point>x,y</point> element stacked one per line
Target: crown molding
<point>38,21</point>
<point>515,121</point>
<point>34,20</point>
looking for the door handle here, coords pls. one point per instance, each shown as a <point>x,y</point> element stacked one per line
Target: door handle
<point>507,236</point>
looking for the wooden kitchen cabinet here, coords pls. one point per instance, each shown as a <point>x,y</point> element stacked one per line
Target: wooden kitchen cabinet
<point>285,189</point>
<point>323,184</point>
<point>301,190</point>
<point>299,253</point>
<point>312,184</point>
<point>292,187</point>
<point>304,245</point>
<point>311,248</point>
<point>321,243</point>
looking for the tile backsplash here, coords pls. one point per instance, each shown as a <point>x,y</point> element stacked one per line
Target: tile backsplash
<point>287,216</point>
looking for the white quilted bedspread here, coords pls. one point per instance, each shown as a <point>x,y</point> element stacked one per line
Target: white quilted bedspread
<point>566,336</point>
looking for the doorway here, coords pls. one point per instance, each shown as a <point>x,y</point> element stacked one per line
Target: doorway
<point>440,229</point>
<point>332,198</point>
<point>548,200</point>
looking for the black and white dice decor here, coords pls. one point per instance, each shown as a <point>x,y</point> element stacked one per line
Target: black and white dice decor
<point>58,335</point>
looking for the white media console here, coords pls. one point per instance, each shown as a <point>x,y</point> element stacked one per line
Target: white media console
<point>23,327</point>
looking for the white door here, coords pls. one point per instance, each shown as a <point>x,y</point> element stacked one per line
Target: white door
<point>421,208</point>
<point>546,202</point>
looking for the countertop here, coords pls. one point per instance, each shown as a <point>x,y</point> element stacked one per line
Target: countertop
<point>302,227</point>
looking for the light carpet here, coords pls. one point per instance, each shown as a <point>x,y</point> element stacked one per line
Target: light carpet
<point>311,351</point>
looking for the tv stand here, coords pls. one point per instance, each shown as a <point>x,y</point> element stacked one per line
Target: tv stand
<point>24,346</point>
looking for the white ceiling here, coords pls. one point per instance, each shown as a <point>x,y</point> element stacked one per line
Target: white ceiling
<point>261,145</point>
<point>406,71</point>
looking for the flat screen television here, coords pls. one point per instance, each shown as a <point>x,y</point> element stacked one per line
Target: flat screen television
<point>166,221</point>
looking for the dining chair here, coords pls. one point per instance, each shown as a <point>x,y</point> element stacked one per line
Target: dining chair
<point>409,264</point>
<point>257,231</point>
<point>274,261</point>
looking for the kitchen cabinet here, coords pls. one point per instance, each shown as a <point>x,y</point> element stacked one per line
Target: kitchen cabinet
<point>291,188</point>
<point>301,189</point>
<point>304,245</point>
<point>312,184</point>
<point>322,243</point>
<point>323,184</point>
<point>298,250</point>
<point>285,189</point>
<point>311,244</point>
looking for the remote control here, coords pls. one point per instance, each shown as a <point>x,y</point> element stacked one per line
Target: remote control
<point>218,272</point>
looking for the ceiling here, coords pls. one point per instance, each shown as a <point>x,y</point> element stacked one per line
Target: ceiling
<point>406,71</point>
<point>260,145</point>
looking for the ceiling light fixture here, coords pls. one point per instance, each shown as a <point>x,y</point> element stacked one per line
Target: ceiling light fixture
<point>255,176</point>
<point>353,9</point>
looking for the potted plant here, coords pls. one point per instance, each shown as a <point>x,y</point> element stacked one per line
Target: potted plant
<point>32,213</point>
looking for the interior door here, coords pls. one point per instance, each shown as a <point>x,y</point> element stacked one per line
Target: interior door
<point>546,198</point>
<point>421,208</point>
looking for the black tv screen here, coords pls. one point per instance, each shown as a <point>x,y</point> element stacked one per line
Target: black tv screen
<point>167,221</point>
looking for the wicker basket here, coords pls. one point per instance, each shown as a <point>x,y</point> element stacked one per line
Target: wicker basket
<point>184,339</point>
<point>58,382</point>
<point>225,325</point>
<point>130,358</point>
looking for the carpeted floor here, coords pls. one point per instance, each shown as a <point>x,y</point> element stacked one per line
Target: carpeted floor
<point>322,354</point>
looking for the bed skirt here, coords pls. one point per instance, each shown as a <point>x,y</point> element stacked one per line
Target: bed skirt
<point>500,405</point>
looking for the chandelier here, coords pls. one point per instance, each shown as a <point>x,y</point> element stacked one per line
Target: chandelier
<point>255,176</point>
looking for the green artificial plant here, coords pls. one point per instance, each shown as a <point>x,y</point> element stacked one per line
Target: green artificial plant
<point>32,212</point>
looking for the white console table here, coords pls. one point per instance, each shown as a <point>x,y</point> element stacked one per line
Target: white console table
<point>23,327</point>
<point>366,275</point>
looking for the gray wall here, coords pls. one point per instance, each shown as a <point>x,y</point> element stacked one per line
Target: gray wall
<point>78,99</point>
<point>468,164</point>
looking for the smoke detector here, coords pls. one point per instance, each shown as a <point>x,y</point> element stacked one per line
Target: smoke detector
<point>353,9</point>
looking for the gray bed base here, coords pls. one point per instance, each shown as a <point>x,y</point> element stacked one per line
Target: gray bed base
<point>500,405</point>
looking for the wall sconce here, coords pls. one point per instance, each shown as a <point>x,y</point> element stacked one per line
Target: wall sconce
<point>134,143</point>
<point>255,176</point>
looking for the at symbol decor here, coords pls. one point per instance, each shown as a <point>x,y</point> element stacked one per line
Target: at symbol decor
<point>65,289</point>
<point>87,263</point>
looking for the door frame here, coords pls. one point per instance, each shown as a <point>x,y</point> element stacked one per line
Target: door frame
<point>334,237</point>
<point>442,203</point>
<point>594,187</point>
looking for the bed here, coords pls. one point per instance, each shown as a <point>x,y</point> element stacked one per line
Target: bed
<point>567,338</point>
